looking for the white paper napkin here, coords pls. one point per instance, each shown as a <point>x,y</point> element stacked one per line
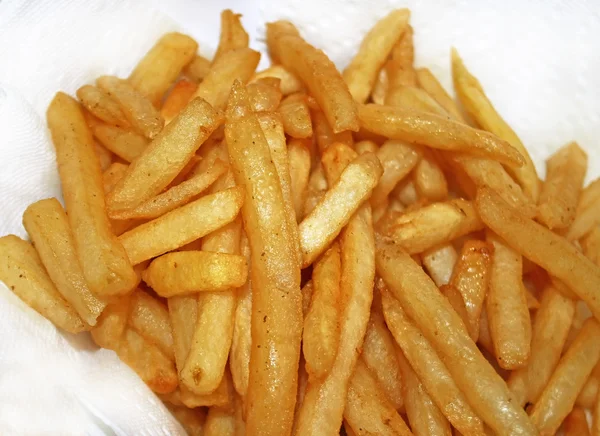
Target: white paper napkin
<point>537,60</point>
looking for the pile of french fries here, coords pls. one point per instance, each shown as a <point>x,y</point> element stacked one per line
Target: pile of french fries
<point>308,252</point>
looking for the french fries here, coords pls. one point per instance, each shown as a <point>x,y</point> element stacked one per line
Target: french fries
<point>429,178</point>
<point>264,94</point>
<point>288,82</point>
<point>111,325</point>
<point>233,35</point>
<point>299,158</point>
<point>124,143</point>
<point>100,104</point>
<point>398,159</point>
<point>439,263</point>
<point>178,98</point>
<point>576,423</point>
<point>295,115</point>
<point>150,318</point>
<point>197,69</point>
<point>428,82</point>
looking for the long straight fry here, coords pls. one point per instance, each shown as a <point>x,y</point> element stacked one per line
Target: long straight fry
<point>233,35</point>
<point>434,88</point>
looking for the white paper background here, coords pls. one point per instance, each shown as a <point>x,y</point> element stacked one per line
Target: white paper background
<point>538,61</point>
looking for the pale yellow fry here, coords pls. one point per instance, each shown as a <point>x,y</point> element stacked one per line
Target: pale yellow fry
<point>550,251</point>
<point>403,51</point>
<point>591,245</point>
<point>183,225</point>
<point>586,219</point>
<point>485,391</point>
<point>295,116</point>
<point>334,211</point>
<point>368,411</point>
<point>318,73</point>
<point>576,423</point>
<point>423,415</point>
<point>429,368</point>
<point>197,69</point>
<point>558,397</point>
<point>264,94</point>
<point>126,144</point>
<point>192,420</point>
<point>233,35</point>
<point>398,159</point>
<point>47,226</point>
<point>439,263</point>
<point>425,128</point>
<point>22,271</point>
<point>161,66</point>
<point>112,323</point>
<point>406,193</point>
<point>589,392</point>
<point>289,82</point>
<point>103,260</point>
<point>150,318</point>
<point>112,175</point>
<point>361,74</point>
<point>429,178</point>
<point>456,301</point>
<point>380,87</point>
<point>219,422</point>
<point>238,64</point>
<point>411,97</point>
<point>100,104</point>
<point>431,225</point>
<point>565,171</point>
<point>434,88</point>
<point>480,108</point>
<point>138,109</point>
<point>299,157</point>
<point>506,304</point>
<point>334,160</point>
<point>317,186</point>
<point>324,134</point>
<point>165,157</point>
<point>321,334</point>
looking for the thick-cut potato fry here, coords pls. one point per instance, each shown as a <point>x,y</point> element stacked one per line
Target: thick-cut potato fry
<point>506,304</point>
<point>410,97</point>
<point>264,94</point>
<point>430,181</point>
<point>576,423</point>
<point>276,299</point>
<point>471,277</point>
<point>105,157</point>
<point>480,108</point>
<point>197,69</point>
<point>558,397</point>
<point>238,64</point>
<point>398,159</point>
<point>165,157</point>
<point>295,116</point>
<point>138,109</point>
<point>423,415</point>
<point>150,318</point>
<point>430,368</point>
<point>161,66</point>
<point>183,225</point>
<point>361,74</point>
<point>233,35</point>
<point>403,55</point>
<point>550,251</point>
<point>434,88</point>
<point>112,175</point>
<point>178,98</point>
<point>22,271</point>
<point>184,272</point>
<point>126,144</point>
<point>104,262</point>
<point>368,411</point>
<point>192,420</point>
<point>220,421</point>
<point>565,171</point>
<point>289,83</point>
<point>424,128</point>
<point>100,104</point>
<point>334,211</point>
<point>380,87</point>
<point>317,186</point>
<point>323,133</point>
<point>178,195</point>
<point>299,158</point>
<point>431,225</point>
<point>439,263</point>
<point>315,69</point>
<point>321,335</point>
<point>366,146</point>
<point>47,226</point>
<point>112,323</point>
<point>485,391</point>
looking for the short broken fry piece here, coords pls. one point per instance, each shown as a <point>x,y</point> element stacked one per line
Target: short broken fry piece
<point>288,82</point>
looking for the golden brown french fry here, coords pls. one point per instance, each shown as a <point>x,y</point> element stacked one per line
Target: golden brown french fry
<point>315,69</point>
<point>587,397</point>
<point>576,423</point>
<point>105,157</point>
<point>458,304</point>
<point>431,225</point>
<point>423,128</point>
<point>439,262</point>
<point>324,134</point>
<point>368,411</point>
<point>429,368</point>
<point>302,384</point>
<point>329,216</point>
<point>471,277</point>
<point>136,108</point>
<point>434,88</point>
<point>410,96</point>
<point>289,83</point>
<point>182,226</point>
<point>264,94</point>
<point>430,181</point>
<point>150,318</point>
<point>238,64</point>
<point>299,157</point>
<point>126,144</point>
<point>276,299</point>
<point>589,194</point>
<point>165,157</point>
<point>591,245</point>
<point>161,66</point>
<point>100,104</point>
<point>381,86</point>
<point>366,146</point>
<point>406,193</point>
<point>192,420</point>
<point>485,338</point>
<point>47,226</point>
<point>22,271</point>
<point>423,415</point>
<point>317,186</point>
<point>197,69</point>
<point>480,108</point>
<point>550,251</point>
<point>335,159</point>
<point>103,260</point>
<point>402,59</point>
<point>586,218</point>
<point>112,175</point>
<point>321,334</point>
<point>550,329</point>
<point>485,391</point>
<point>361,74</point>
<point>233,35</point>
<point>558,397</point>
<point>220,421</point>
<point>295,116</point>
<point>178,98</point>
<point>506,304</point>
<point>111,325</point>
<point>565,171</point>
<point>398,159</point>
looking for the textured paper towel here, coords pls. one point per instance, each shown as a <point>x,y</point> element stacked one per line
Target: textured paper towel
<point>537,60</point>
